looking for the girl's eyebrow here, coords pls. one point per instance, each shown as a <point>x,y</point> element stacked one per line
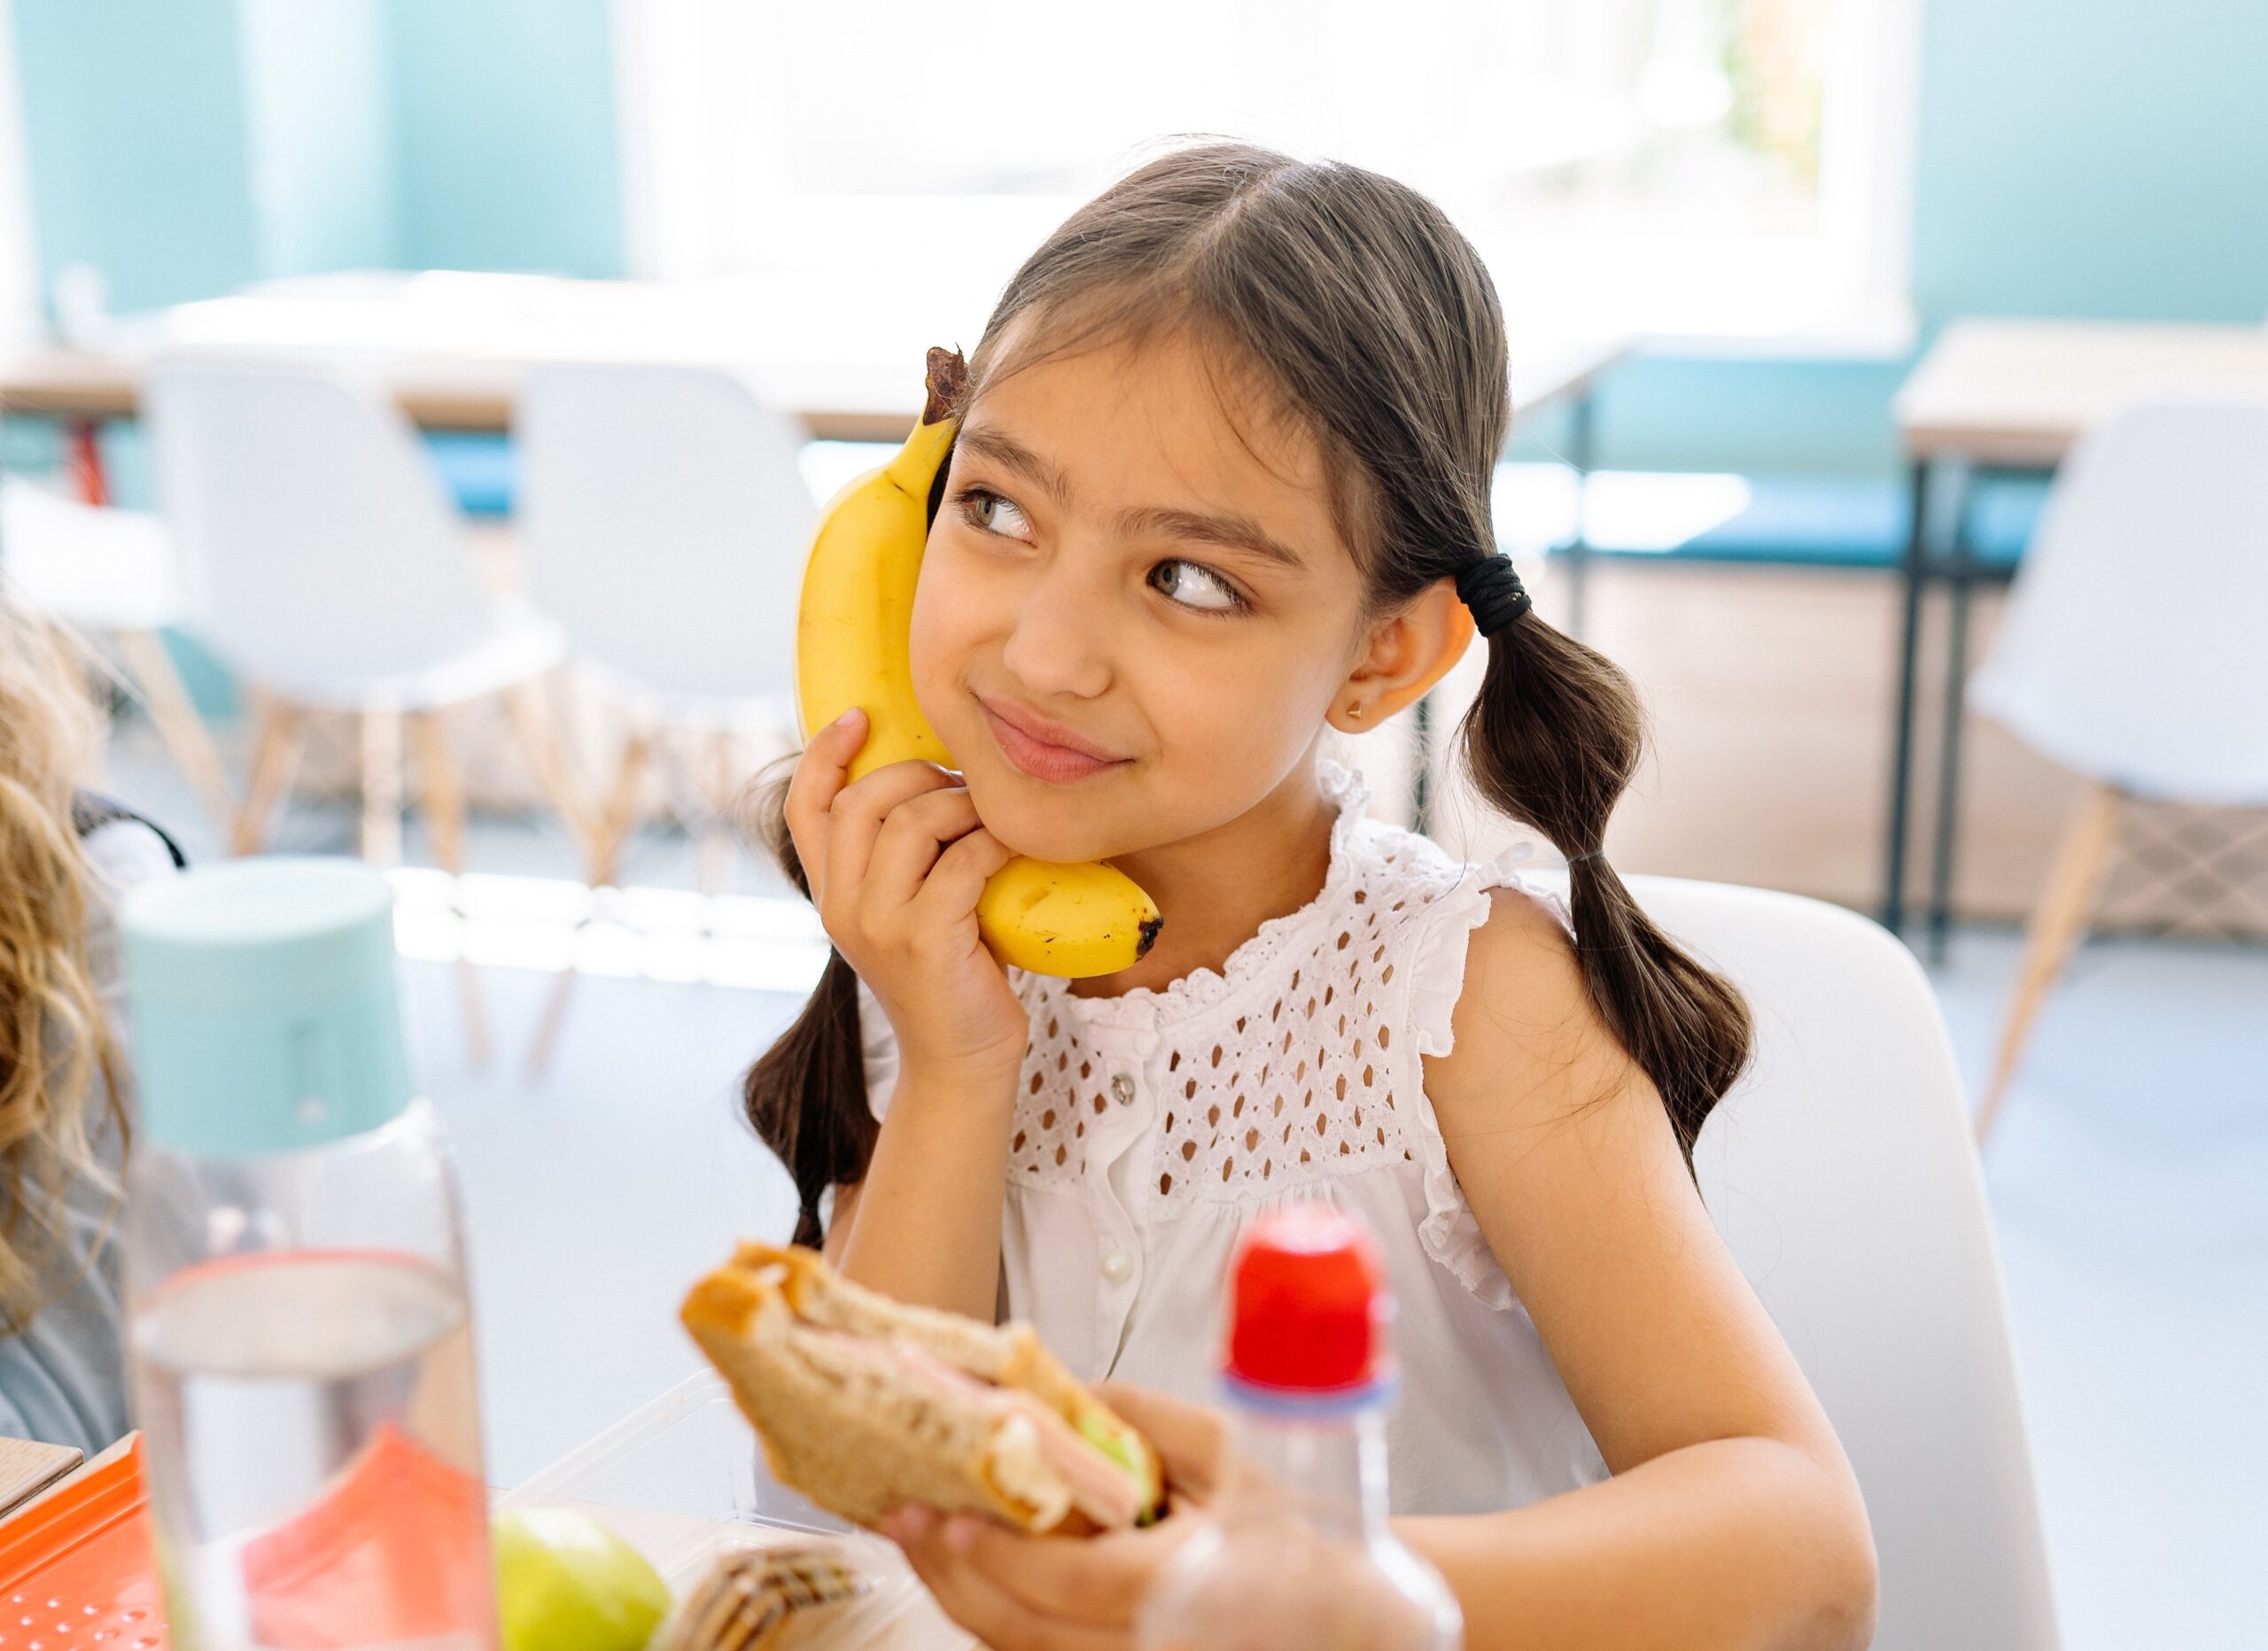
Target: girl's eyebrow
<point>989,441</point>
<point>1230,529</point>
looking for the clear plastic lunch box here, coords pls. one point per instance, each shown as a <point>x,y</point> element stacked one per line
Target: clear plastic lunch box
<point>682,1480</point>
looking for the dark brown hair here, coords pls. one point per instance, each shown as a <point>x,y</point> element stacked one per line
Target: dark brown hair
<point>1355,303</point>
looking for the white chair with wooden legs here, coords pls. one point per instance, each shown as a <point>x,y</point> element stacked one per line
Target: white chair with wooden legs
<point>109,573</point>
<point>328,570</point>
<point>665,517</point>
<point>2131,652</point>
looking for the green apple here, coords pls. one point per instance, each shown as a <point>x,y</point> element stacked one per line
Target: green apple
<point>566,1582</point>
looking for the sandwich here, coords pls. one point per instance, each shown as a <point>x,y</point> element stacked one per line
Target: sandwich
<point>865,1404</point>
<point>766,1600</point>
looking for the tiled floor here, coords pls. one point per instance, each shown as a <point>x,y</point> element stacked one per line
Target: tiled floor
<point>2127,1183</point>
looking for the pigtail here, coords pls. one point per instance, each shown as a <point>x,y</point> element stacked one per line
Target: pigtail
<point>806,1096</point>
<point>1553,739</point>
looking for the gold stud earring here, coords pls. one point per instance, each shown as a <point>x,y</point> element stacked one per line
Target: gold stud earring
<point>1355,713</point>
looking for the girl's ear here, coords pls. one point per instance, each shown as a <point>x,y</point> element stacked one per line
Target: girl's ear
<point>1408,652</point>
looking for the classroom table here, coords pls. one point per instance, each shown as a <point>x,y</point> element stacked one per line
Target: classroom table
<point>839,350</point>
<point>2011,396</point>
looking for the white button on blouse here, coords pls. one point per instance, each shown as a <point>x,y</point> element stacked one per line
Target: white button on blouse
<point>1295,1073</point>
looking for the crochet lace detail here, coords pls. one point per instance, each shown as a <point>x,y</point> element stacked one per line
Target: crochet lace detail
<point>1297,1062</point>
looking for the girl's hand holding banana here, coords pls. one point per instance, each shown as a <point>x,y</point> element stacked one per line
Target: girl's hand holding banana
<point>897,862</point>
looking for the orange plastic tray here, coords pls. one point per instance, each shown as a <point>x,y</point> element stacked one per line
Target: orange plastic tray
<point>78,1569</point>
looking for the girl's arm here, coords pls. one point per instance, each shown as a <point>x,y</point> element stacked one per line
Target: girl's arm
<point>1733,1518</point>
<point>924,1225</point>
<point>895,861</point>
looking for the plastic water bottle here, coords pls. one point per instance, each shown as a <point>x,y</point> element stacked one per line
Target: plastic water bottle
<point>1298,1552</point>
<point>300,1336</point>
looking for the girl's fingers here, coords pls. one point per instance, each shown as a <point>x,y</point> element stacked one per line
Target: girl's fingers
<point>959,875</point>
<point>821,772</point>
<point>1192,1440</point>
<point>910,841</point>
<point>1099,1580</point>
<point>976,1602</point>
<point>855,817</point>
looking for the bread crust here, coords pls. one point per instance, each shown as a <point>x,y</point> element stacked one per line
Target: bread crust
<point>1009,1355</point>
<point>850,1439</point>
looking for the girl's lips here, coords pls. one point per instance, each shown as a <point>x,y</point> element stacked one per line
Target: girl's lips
<point>1057,764</point>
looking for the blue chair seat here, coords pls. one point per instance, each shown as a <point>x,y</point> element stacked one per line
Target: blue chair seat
<point>480,471</point>
<point>1839,521</point>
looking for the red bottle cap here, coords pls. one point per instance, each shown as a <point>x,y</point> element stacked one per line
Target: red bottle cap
<point>1308,1307</point>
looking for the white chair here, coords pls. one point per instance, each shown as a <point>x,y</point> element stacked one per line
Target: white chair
<point>1842,1173</point>
<point>327,568</point>
<point>108,572</point>
<point>2131,651</point>
<point>665,518</point>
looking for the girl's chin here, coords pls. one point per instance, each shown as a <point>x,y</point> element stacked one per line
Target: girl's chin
<point>1063,848</point>
<point>1038,833</point>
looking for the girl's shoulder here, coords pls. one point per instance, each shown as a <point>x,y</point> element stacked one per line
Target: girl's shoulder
<point>1439,909</point>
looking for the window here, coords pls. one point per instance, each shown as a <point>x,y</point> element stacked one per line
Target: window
<point>1716,167</point>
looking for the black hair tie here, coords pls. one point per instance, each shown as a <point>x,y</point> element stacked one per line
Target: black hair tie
<point>1493,591</point>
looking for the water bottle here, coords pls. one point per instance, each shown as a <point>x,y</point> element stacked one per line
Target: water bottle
<point>299,1334</point>
<point>1297,1553</point>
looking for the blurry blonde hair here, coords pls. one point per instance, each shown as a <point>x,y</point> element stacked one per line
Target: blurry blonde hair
<point>56,1043</point>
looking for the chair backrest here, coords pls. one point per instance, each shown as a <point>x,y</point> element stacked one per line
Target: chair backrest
<point>318,550</point>
<point>1842,1173</point>
<point>665,519</point>
<point>2132,646</point>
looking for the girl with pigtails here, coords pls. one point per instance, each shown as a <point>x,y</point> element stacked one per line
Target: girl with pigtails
<point>1221,479</point>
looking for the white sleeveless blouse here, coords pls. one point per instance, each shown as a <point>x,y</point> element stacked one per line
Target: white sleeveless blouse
<point>1151,1127</point>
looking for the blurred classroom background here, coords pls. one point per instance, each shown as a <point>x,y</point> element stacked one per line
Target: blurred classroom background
<point>1831,318</point>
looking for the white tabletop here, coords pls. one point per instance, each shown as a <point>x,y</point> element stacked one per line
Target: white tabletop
<point>841,350</point>
<point>2020,392</point>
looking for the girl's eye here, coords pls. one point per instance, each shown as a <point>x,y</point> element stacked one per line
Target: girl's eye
<point>1195,586</point>
<point>992,513</point>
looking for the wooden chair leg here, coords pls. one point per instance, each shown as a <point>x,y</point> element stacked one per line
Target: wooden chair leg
<point>445,813</point>
<point>610,832</point>
<point>382,787</point>
<point>276,754</point>
<point>715,833</point>
<point>2060,919</point>
<point>186,739</point>
<point>531,722</point>
<point>620,814</point>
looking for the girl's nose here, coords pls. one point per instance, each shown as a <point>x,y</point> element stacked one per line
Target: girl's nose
<point>1060,641</point>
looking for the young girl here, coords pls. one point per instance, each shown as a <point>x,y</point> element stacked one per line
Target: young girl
<point>65,857</point>
<point>1223,478</point>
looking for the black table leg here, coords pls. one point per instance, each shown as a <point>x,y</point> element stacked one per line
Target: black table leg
<point>1961,574</point>
<point>1901,760</point>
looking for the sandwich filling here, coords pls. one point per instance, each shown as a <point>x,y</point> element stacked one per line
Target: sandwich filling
<point>1035,1456</point>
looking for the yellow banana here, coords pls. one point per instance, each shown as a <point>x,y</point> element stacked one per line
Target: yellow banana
<point>852,627</point>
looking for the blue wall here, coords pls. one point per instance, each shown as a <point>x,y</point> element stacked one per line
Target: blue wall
<point>135,140</point>
<point>186,147</point>
<point>505,112</point>
<point>2094,158</point>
